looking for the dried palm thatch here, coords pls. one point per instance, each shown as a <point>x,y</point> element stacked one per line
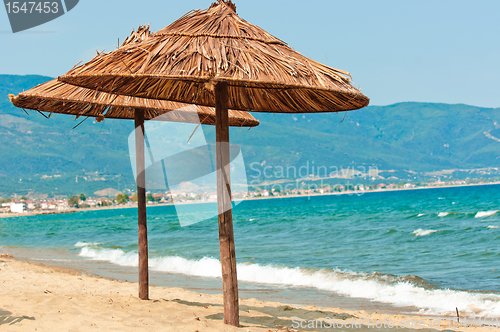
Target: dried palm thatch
<point>59,97</point>
<point>183,61</point>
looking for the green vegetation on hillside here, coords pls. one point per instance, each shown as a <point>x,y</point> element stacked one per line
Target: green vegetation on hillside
<point>46,155</point>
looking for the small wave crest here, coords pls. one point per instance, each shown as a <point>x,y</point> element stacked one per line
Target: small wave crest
<point>401,291</point>
<point>423,232</point>
<point>492,227</point>
<point>443,214</point>
<point>482,214</point>
<point>85,244</point>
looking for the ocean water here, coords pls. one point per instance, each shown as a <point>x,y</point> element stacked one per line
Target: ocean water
<point>427,251</point>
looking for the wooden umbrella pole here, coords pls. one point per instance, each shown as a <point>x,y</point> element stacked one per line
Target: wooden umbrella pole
<point>141,206</point>
<point>226,236</point>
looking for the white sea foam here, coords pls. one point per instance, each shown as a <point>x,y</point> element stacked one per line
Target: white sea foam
<point>443,214</point>
<point>421,214</point>
<point>492,227</point>
<point>84,244</point>
<point>423,232</point>
<point>115,256</point>
<point>482,214</point>
<point>430,301</point>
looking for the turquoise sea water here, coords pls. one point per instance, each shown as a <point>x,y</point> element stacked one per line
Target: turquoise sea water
<point>428,250</point>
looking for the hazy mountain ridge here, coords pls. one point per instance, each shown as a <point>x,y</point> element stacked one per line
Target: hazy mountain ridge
<point>406,136</point>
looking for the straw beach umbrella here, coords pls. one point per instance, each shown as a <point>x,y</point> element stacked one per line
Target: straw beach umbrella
<point>214,58</point>
<point>59,97</point>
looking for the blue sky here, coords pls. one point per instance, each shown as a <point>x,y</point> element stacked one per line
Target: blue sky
<point>428,51</point>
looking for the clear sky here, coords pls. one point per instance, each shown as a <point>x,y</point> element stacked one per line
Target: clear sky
<point>396,50</point>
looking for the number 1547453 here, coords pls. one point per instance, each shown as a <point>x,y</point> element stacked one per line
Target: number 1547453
<point>25,7</point>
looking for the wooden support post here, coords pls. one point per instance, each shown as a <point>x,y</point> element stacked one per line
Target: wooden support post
<point>226,236</point>
<point>141,206</point>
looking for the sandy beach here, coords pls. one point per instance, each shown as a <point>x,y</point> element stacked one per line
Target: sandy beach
<point>36,297</point>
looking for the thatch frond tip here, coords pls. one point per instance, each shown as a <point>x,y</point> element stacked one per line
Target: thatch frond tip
<point>137,36</point>
<point>228,3</point>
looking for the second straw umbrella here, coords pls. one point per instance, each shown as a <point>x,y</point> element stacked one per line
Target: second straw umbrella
<point>58,97</point>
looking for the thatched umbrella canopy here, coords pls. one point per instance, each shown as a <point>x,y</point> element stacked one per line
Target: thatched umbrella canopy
<point>59,97</point>
<point>214,58</point>
<point>262,72</point>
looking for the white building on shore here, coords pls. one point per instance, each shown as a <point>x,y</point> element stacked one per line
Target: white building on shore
<point>18,207</point>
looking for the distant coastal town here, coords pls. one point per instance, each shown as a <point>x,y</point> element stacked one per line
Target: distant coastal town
<point>18,206</point>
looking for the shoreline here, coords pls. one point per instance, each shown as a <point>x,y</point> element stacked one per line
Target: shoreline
<point>49,297</point>
<point>350,193</point>
<point>360,193</point>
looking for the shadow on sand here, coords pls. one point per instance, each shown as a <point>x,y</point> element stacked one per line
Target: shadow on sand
<point>285,316</point>
<point>7,318</point>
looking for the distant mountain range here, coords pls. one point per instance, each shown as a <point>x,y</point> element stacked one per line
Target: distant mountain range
<point>47,156</point>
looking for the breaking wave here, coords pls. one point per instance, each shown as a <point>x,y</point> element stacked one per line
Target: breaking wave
<point>377,287</point>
